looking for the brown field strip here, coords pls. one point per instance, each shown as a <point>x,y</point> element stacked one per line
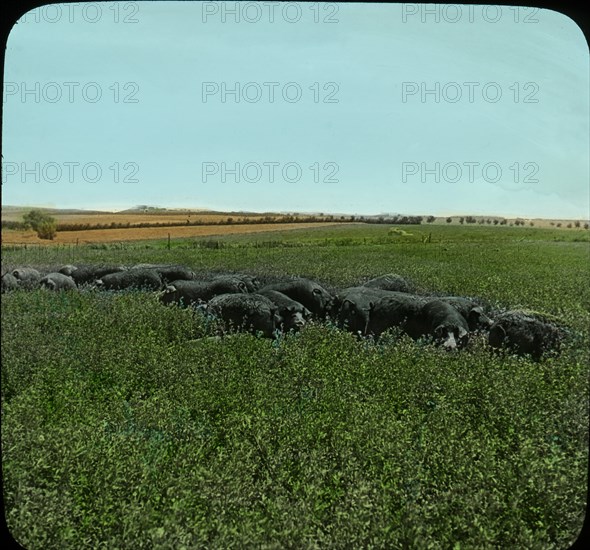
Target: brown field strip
<point>108,218</point>
<point>150,233</point>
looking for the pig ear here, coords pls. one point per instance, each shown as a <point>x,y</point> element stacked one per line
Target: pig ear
<point>316,291</point>
<point>463,338</point>
<point>290,309</point>
<point>497,335</point>
<point>473,316</point>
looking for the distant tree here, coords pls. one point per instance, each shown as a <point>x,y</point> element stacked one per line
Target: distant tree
<point>532,224</point>
<point>449,220</point>
<point>430,219</point>
<point>559,224</point>
<point>461,220</point>
<point>496,221</point>
<point>577,224</point>
<point>42,223</point>
<point>552,223</point>
<point>569,225</point>
<point>504,221</point>
<point>586,226</point>
<point>488,221</point>
<point>34,218</point>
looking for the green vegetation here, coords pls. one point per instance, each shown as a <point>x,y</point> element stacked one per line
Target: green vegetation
<point>42,223</point>
<point>122,428</point>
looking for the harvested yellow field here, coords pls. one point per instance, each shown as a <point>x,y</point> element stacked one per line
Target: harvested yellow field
<point>147,233</point>
<point>105,218</point>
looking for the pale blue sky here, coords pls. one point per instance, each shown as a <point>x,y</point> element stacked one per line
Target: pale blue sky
<point>170,134</point>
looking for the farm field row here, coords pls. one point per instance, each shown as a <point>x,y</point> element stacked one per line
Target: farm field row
<point>148,233</point>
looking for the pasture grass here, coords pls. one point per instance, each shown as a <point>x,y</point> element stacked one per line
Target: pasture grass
<point>124,425</point>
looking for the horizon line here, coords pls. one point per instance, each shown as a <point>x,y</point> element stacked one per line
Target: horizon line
<point>193,209</point>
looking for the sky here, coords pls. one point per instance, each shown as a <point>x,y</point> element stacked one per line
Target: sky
<point>342,108</point>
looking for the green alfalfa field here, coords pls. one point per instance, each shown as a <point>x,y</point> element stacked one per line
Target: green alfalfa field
<point>122,428</point>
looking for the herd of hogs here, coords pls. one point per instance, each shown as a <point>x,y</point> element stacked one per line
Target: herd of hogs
<point>243,302</point>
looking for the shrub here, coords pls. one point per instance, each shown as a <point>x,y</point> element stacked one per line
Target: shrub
<point>43,224</point>
<point>47,230</point>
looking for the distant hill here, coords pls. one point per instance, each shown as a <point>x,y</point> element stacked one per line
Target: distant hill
<point>6,208</point>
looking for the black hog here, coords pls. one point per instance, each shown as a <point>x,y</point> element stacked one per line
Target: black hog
<point>168,272</point>
<point>132,279</point>
<point>524,334</point>
<point>396,309</point>
<point>351,307</point>
<point>392,282</point>
<point>309,293</point>
<point>86,274</point>
<point>194,292</point>
<point>252,312</point>
<point>67,269</point>
<point>447,326</point>
<point>57,281</point>
<point>251,281</point>
<point>472,312</point>
<point>28,277</point>
<point>9,282</point>
<point>292,314</point>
